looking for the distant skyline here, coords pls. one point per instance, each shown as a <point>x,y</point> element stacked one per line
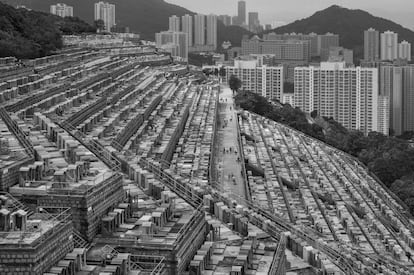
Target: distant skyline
<point>284,12</point>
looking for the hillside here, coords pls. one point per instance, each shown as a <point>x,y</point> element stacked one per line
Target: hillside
<point>388,158</point>
<point>29,34</point>
<point>142,16</point>
<point>349,24</point>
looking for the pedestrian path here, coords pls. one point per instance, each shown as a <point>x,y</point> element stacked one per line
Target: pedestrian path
<point>229,161</point>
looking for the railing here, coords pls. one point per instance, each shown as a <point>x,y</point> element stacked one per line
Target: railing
<point>29,101</point>
<point>17,132</point>
<point>79,241</point>
<point>59,220</point>
<point>148,265</point>
<point>278,257</point>
<point>17,205</point>
<point>92,145</point>
<point>212,167</point>
<point>240,145</point>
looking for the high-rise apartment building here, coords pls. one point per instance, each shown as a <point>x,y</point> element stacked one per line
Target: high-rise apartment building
<point>339,54</point>
<point>106,12</point>
<point>211,30</point>
<point>397,83</point>
<point>241,12</point>
<point>254,22</point>
<point>263,80</point>
<point>318,42</point>
<point>325,41</point>
<point>404,50</point>
<point>187,27</point>
<point>371,45</point>
<point>235,20</point>
<point>284,50</point>
<point>389,45</point>
<point>174,42</point>
<point>226,19</point>
<point>199,29</point>
<point>348,94</point>
<point>61,10</point>
<point>174,23</point>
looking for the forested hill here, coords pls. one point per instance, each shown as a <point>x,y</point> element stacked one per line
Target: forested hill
<point>349,24</point>
<point>29,34</point>
<point>145,17</point>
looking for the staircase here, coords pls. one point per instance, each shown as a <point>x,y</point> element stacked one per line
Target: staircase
<point>92,145</point>
<point>17,132</point>
<point>108,252</point>
<point>16,204</point>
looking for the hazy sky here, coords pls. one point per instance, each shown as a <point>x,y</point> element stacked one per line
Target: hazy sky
<point>285,11</point>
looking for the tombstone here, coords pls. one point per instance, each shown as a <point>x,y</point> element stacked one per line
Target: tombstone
<point>4,219</point>
<point>19,219</point>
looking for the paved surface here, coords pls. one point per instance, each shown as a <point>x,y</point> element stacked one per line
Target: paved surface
<point>229,162</point>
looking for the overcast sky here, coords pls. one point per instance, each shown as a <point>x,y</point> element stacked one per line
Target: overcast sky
<point>286,11</point>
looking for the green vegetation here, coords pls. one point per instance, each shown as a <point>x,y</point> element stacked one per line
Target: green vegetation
<point>234,34</point>
<point>390,159</point>
<point>349,24</point>
<point>234,83</point>
<point>30,34</point>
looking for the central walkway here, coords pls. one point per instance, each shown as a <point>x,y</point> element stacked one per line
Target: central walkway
<point>229,161</point>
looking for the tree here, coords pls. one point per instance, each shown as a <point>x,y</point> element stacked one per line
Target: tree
<point>99,25</point>
<point>234,83</point>
<point>222,72</point>
<point>314,113</point>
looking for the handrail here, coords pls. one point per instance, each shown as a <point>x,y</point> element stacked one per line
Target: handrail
<point>17,132</point>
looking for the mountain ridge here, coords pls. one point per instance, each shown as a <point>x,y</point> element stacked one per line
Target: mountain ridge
<point>350,24</point>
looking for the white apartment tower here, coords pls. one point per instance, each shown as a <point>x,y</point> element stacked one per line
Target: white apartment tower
<point>187,27</point>
<point>106,12</point>
<point>397,83</point>
<point>199,29</point>
<point>212,30</point>
<point>174,24</point>
<point>348,94</point>
<point>371,45</point>
<point>263,80</point>
<point>389,45</point>
<point>61,10</point>
<point>174,42</point>
<point>404,50</point>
